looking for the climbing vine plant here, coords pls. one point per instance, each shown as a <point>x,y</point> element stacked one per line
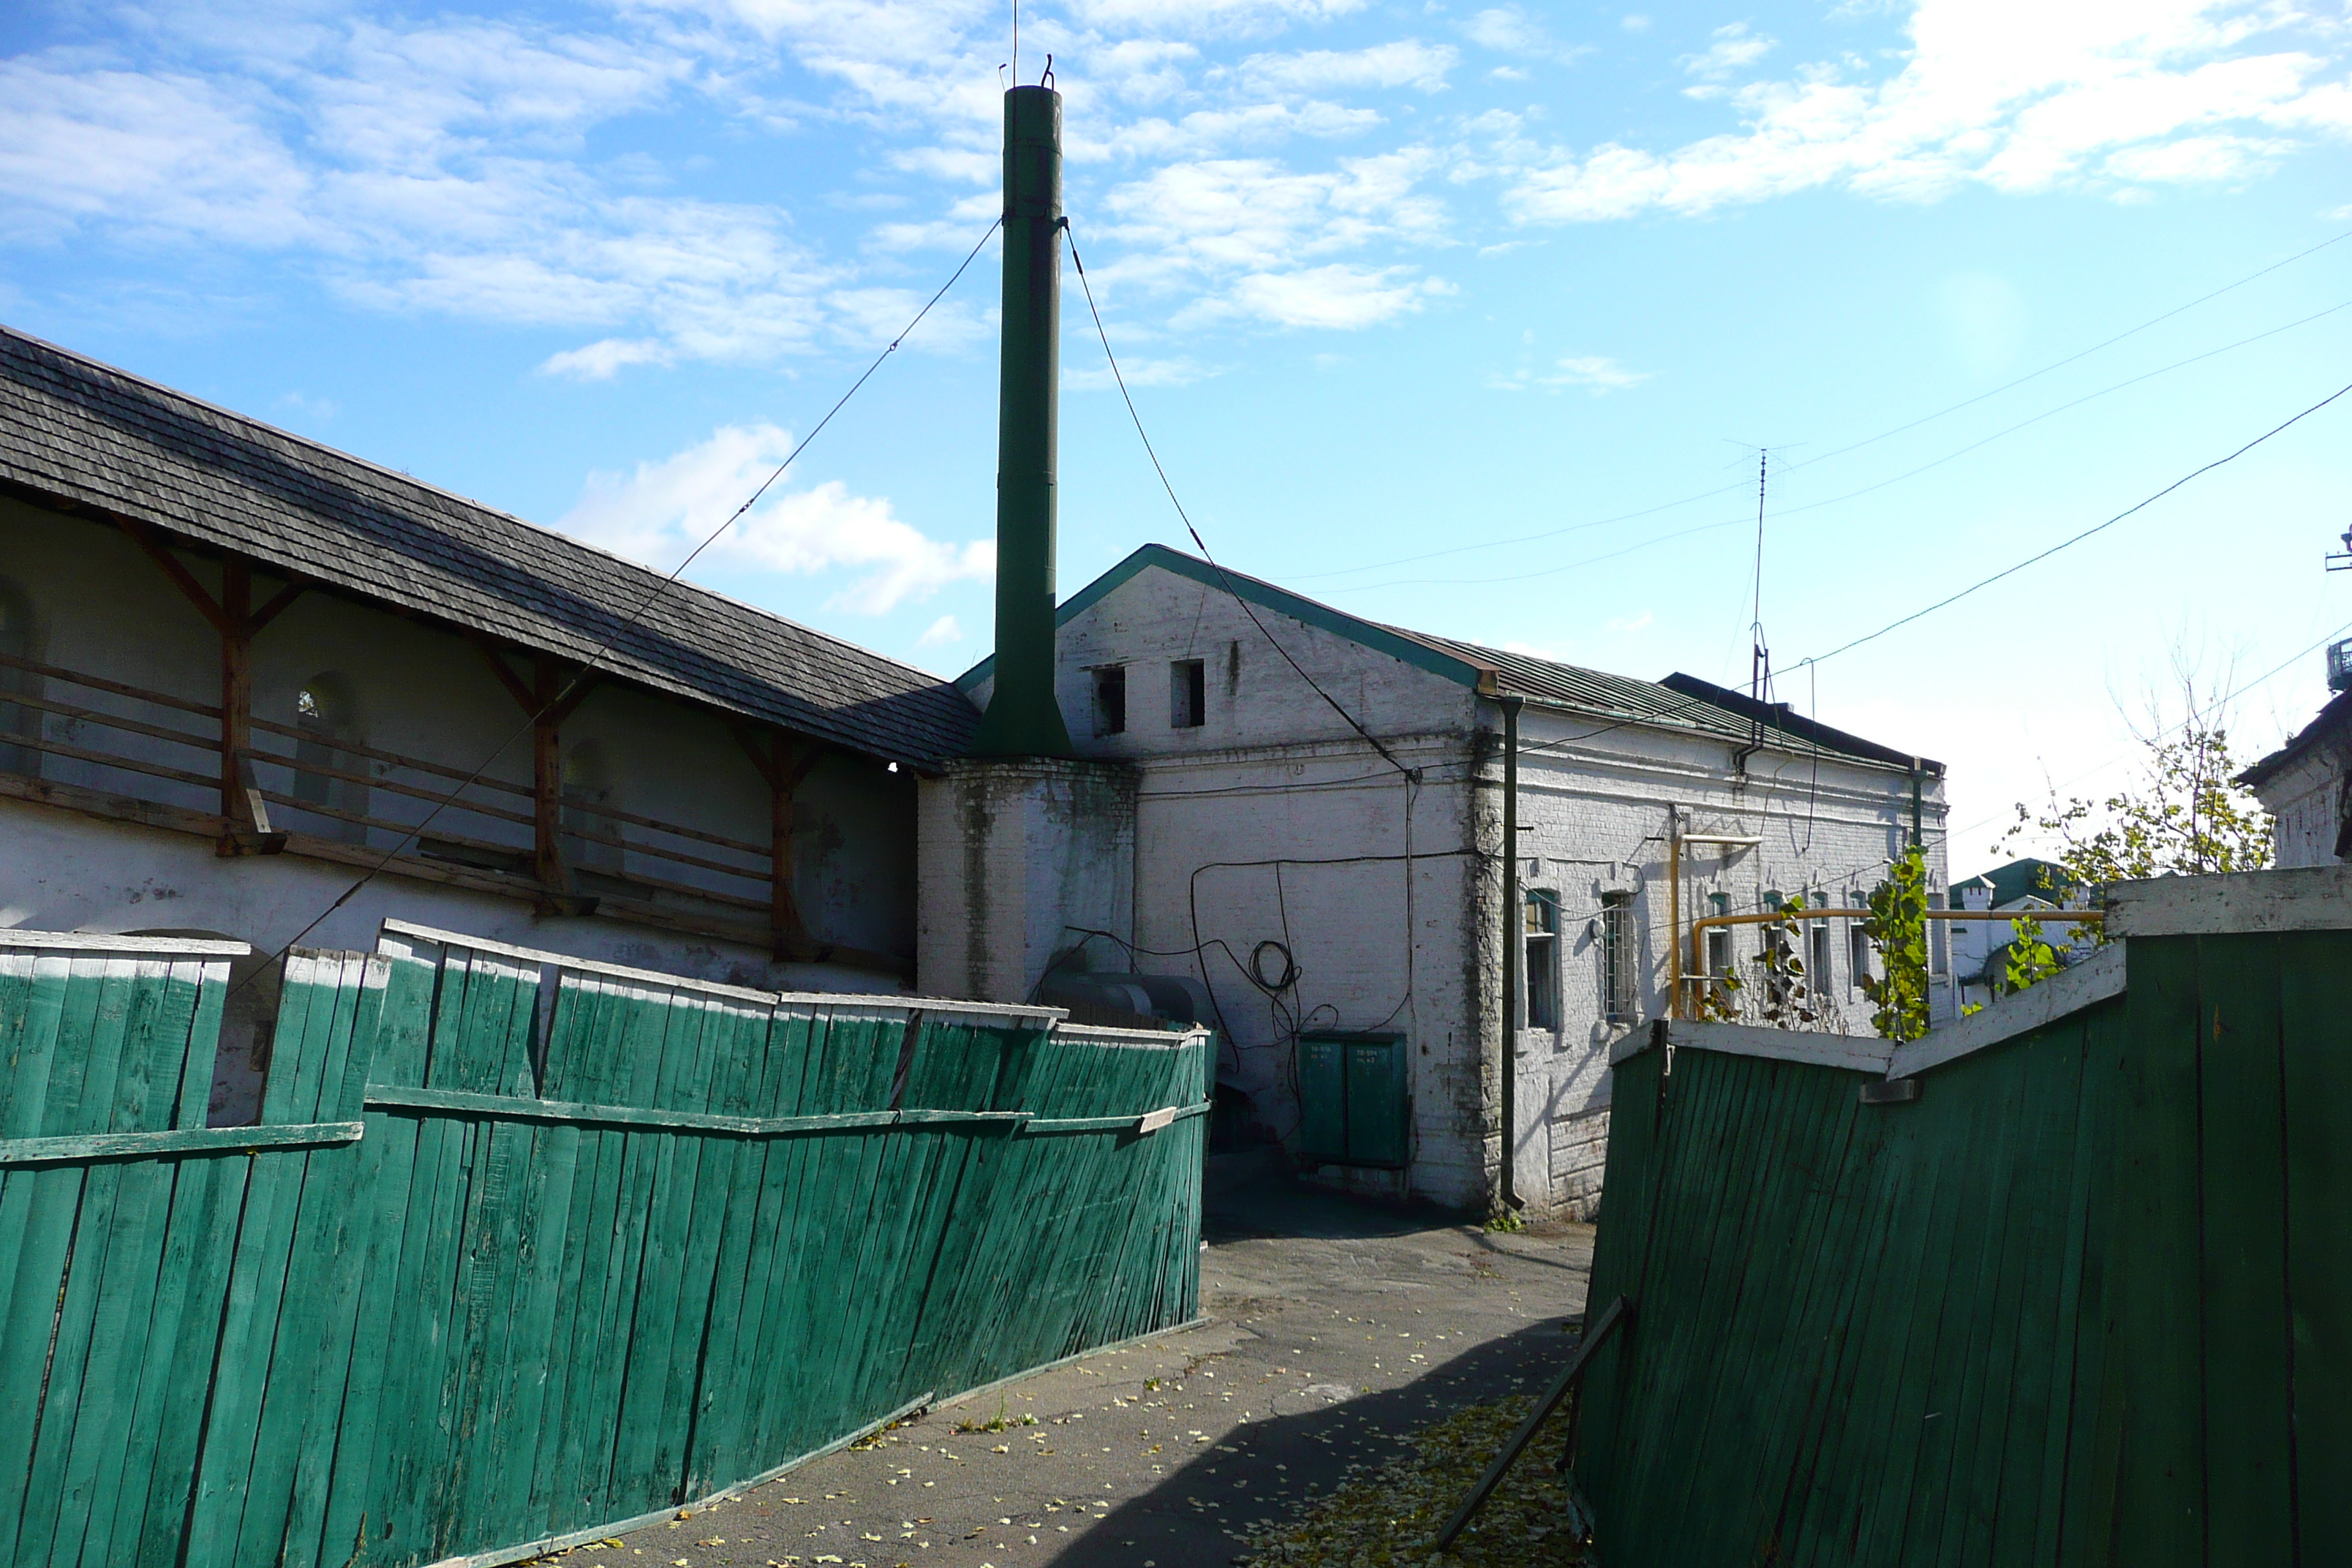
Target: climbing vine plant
<point>1897,927</point>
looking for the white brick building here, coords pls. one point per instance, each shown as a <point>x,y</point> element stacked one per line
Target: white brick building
<point>1351,849</point>
<point>2302,785</point>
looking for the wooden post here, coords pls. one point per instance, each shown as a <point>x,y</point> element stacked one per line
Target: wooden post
<point>546,780</point>
<point>545,698</point>
<point>237,690</point>
<point>783,913</point>
<point>784,767</point>
<point>244,820</point>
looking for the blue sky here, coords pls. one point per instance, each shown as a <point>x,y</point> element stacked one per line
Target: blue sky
<point>1464,317</point>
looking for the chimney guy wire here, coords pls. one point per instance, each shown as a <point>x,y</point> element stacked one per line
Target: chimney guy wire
<point>1370,739</point>
<point>2076,539</point>
<point>588,666</point>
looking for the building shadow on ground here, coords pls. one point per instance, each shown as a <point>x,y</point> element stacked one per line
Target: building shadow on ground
<point>1268,1470</point>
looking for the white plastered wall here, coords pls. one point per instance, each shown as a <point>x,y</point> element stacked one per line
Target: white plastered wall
<point>104,608</point>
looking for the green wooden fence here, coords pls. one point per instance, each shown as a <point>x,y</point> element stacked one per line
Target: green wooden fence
<point>2087,1298</point>
<point>526,1248</point>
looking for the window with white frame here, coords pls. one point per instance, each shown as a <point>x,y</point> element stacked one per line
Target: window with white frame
<point>1619,958</point>
<point>1857,945</point>
<point>1540,919</point>
<point>1718,942</point>
<point>1817,947</point>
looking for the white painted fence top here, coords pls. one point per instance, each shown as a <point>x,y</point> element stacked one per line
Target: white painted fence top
<point>99,942</point>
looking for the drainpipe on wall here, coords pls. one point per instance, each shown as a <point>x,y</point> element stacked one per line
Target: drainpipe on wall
<point>1917,840</point>
<point>1675,911</point>
<point>1511,950</point>
<point>1024,716</point>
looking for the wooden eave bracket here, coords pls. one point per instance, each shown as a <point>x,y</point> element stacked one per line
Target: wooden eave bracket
<point>576,905</point>
<point>159,548</point>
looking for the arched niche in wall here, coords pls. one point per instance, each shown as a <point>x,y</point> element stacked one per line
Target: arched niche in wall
<point>20,643</point>
<point>326,712</point>
<point>588,782</point>
<point>248,1028</point>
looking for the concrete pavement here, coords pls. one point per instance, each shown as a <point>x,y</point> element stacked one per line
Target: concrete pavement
<point>1334,1330</point>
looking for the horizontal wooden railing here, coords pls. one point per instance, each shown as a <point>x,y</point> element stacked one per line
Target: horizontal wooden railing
<point>657,863</point>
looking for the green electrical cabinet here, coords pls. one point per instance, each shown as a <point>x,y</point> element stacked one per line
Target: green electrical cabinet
<point>1355,1100</point>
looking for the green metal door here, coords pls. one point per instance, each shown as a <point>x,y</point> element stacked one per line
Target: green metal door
<point>1323,1099</point>
<point>1376,1102</point>
<point>1354,1099</point>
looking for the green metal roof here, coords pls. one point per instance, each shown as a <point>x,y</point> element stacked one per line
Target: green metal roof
<point>2020,880</point>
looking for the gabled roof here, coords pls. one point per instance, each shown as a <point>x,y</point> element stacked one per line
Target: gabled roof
<point>2333,721</point>
<point>82,437</point>
<point>2020,880</point>
<point>1677,702</point>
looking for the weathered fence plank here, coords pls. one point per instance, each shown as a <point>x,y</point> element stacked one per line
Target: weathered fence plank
<point>2083,1300</point>
<point>524,1249</point>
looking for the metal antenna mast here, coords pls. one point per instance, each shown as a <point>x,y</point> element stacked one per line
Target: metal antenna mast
<point>1759,664</point>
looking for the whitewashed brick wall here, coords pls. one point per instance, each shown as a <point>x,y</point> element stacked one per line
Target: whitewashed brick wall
<point>1276,774</point>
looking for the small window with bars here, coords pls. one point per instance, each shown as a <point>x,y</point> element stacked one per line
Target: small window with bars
<point>1620,959</point>
<point>1541,918</point>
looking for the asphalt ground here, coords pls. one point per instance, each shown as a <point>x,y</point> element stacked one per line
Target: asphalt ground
<point>1334,1330</point>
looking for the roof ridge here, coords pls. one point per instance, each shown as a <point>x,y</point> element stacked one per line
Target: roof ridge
<point>483,508</point>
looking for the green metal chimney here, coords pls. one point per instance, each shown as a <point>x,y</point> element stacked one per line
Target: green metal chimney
<point>1023,717</point>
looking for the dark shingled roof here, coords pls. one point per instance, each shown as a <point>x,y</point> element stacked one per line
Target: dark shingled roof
<point>80,434</point>
<point>1679,701</point>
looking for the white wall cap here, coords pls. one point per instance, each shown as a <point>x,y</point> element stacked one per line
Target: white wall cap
<point>2310,898</point>
<point>1865,1053</point>
<point>2094,979</point>
<point>832,999</point>
<point>97,941</point>
<point>1106,1035</point>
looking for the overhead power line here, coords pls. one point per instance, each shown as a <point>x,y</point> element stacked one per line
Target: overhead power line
<point>2221,701</point>
<point>588,667</point>
<point>1850,495</point>
<point>2070,543</point>
<point>1853,447</point>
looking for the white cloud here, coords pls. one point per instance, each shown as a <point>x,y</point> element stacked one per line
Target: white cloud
<point>660,511</point>
<point>598,361</point>
<point>1407,62</point>
<point>1628,625</point>
<point>1594,370</point>
<point>1339,296</point>
<point>1510,29</point>
<point>491,169</point>
<point>1733,48</point>
<point>1239,232</point>
<point>1180,370</point>
<point>2012,94</point>
<point>940,633</point>
<point>1207,17</point>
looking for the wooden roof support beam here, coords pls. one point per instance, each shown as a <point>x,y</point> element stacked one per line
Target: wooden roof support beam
<point>784,764</point>
<point>232,615</point>
<point>159,551</point>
